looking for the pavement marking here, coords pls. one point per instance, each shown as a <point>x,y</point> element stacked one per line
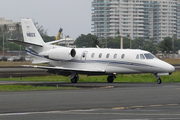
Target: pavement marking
<point>81,110</point>
<point>87,111</point>
<point>173,104</point>
<point>156,105</point>
<point>131,119</point>
<point>13,114</point>
<point>120,108</point>
<point>106,87</point>
<point>138,107</point>
<point>168,118</point>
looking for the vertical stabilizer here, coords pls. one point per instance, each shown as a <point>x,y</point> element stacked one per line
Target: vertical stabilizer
<point>30,32</point>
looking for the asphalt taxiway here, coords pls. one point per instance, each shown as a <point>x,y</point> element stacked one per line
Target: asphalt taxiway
<point>105,101</point>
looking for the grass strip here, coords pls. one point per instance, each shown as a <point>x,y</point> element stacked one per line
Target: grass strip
<point>8,88</point>
<point>83,78</point>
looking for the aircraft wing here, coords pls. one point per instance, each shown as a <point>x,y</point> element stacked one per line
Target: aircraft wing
<point>62,69</point>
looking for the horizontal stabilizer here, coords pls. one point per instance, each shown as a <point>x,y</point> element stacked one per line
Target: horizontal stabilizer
<point>39,61</point>
<point>53,42</point>
<point>23,43</point>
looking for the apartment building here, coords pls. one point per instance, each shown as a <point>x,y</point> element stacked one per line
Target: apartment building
<point>136,18</point>
<point>10,24</point>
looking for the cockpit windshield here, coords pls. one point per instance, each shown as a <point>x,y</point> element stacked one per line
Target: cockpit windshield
<point>149,56</point>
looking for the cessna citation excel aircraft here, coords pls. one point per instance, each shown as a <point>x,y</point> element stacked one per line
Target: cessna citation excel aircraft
<point>89,61</point>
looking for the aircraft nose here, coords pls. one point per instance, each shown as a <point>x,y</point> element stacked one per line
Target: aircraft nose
<point>170,68</point>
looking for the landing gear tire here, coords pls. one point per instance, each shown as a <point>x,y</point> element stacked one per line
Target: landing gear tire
<point>159,81</point>
<point>110,79</point>
<point>75,79</point>
<point>158,78</point>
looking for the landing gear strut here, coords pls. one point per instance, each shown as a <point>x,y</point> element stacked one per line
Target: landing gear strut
<point>75,79</point>
<point>110,78</point>
<point>158,78</point>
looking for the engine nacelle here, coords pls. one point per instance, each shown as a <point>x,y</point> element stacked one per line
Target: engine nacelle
<point>60,54</point>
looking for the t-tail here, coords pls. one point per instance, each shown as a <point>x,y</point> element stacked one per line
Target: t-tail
<point>32,41</point>
<point>30,33</point>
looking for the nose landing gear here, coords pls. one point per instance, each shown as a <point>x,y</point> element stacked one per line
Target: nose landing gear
<point>158,78</point>
<point>159,81</point>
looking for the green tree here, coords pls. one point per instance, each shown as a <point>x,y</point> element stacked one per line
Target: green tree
<point>1,30</point>
<point>18,31</point>
<point>40,29</point>
<point>87,41</point>
<point>5,28</point>
<point>13,46</point>
<point>1,40</point>
<point>95,42</point>
<point>113,42</point>
<point>138,43</point>
<point>176,45</point>
<point>149,46</point>
<point>126,43</point>
<point>43,33</point>
<point>165,45</point>
<point>47,38</point>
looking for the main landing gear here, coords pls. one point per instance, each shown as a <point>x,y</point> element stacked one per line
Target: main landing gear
<point>74,78</point>
<point>110,78</point>
<point>158,78</point>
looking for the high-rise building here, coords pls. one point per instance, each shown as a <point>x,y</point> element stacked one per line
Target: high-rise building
<point>136,18</point>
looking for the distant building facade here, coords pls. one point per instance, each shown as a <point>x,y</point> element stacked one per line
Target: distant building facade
<point>10,24</point>
<point>136,18</point>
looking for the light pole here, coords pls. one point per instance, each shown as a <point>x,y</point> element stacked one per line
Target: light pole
<point>173,38</point>
<point>106,41</point>
<point>3,44</point>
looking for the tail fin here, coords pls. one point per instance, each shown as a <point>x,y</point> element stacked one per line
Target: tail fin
<point>30,33</point>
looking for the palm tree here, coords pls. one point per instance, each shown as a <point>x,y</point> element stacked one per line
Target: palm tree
<point>5,30</point>
<point>17,31</point>
<point>17,27</point>
<point>129,37</point>
<point>1,30</point>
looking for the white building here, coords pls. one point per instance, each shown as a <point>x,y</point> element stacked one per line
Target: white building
<point>10,24</point>
<point>137,18</point>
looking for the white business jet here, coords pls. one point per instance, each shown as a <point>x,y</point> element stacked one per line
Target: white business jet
<point>89,61</point>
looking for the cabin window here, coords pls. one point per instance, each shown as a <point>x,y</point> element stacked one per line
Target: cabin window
<point>142,56</point>
<point>115,56</point>
<point>100,55</point>
<point>107,56</point>
<point>149,56</point>
<point>122,56</point>
<point>93,55</point>
<point>137,57</point>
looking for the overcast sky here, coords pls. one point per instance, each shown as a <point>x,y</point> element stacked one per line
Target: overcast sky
<point>74,16</point>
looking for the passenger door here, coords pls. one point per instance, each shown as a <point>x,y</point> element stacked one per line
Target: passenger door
<point>84,56</point>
